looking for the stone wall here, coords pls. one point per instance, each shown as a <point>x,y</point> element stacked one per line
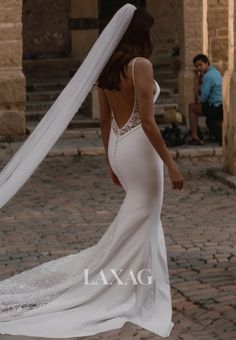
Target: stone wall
<point>218,31</point>
<point>165,33</point>
<point>191,43</point>
<point>12,80</point>
<point>46,28</point>
<point>84,26</point>
<point>229,103</point>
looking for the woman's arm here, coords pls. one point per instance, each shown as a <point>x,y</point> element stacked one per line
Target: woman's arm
<point>144,88</point>
<point>105,122</point>
<point>105,118</point>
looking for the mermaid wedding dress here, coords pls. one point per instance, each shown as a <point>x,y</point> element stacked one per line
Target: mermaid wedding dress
<point>122,278</point>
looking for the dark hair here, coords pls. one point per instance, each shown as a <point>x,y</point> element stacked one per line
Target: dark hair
<point>201,57</point>
<point>136,42</point>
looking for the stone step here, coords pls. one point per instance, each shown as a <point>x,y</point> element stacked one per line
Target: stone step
<point>34,115</point>
<point>164,73</point>
<point>171,84</point>
<point>42,96</point>
<point>167,100</point>
<point>49,96</point>
<point>162,108</point>
<point>50,67</point>
<point>37,115</point>
<point>39,106</point>
<point>166,91</point>
<point>164,59</point>
<point>83,131</point>
<point>83,123</point>
<point>55,85</point>
<point>44,105</point>
<point>42,91</point>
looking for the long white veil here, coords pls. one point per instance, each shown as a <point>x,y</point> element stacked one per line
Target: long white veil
<point>38,286</point>
<point>35,148</point>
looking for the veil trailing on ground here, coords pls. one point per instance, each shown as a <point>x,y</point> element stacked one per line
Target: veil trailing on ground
<point>35,148</point>
<point>37,286</point>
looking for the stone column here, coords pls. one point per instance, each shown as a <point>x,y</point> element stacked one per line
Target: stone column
<point>191,43</point>
<point>218,33</point>
<point>12,80</point>
<point>229,97</point>
<point>84,26</point>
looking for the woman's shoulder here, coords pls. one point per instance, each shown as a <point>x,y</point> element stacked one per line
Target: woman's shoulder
<point>142,61</point>
<point>143,66</point>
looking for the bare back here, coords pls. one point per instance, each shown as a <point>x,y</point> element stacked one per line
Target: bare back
<point>122,101</point>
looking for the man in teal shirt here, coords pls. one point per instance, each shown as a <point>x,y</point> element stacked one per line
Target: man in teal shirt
<point>208,100</point>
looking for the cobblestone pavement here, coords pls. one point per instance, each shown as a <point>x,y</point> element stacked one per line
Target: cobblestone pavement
<point>68,204</point>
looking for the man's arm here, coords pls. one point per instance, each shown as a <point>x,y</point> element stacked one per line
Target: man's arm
<point>206,86</point>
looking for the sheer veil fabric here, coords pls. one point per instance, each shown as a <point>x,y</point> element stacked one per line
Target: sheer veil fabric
<point>35,148</point>
<point>57,299</point>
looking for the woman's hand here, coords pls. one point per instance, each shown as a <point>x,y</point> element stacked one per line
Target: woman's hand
<point>114,178</point>
<point>175,177</point>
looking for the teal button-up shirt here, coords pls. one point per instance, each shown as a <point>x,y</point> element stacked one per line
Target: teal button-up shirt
<point>211,87</point>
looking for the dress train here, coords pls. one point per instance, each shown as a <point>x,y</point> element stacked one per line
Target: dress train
<point>52,299</point>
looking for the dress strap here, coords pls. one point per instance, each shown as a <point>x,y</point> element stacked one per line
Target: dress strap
<point>133,78</point>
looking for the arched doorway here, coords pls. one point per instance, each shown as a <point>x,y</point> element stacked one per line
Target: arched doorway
<point>106,9</point>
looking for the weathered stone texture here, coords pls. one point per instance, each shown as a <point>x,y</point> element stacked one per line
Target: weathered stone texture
<point>191,43</point>
<point>10,53</point>
<point>83,8</point>
<point>9,15</point>
<point>229,90</point>
<point>11,94</point>
<point>12,123</point>
<point>219,50</point>
<point>229,147</point>
<point>10,4</point>
<point>82,41</point>
<point>165,32</point>
<point>12,80</point>
<point>218,31</point>
<point>9,31</point>
<point>46,28</point>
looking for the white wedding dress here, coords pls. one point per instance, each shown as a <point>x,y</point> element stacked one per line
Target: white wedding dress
<point>52,299</point>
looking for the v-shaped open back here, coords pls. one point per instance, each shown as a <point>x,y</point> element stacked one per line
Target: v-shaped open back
<point>135,102</point>
<point>134,119</point>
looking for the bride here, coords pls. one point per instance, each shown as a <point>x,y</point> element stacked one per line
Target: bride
<point>124,277</point>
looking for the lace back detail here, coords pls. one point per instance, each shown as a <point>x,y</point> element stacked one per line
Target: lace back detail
<point>134,119</point>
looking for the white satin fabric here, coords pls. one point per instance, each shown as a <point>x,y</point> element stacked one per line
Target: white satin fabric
<point>52,300</point>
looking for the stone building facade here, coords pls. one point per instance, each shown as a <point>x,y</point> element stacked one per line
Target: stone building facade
<point>12,80</point>
<point>33,29</point>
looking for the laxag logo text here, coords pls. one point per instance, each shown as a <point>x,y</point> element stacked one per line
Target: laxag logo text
<point>115,277</point>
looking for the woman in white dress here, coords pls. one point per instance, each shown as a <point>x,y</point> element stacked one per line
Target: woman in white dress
<point>124,277</point>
